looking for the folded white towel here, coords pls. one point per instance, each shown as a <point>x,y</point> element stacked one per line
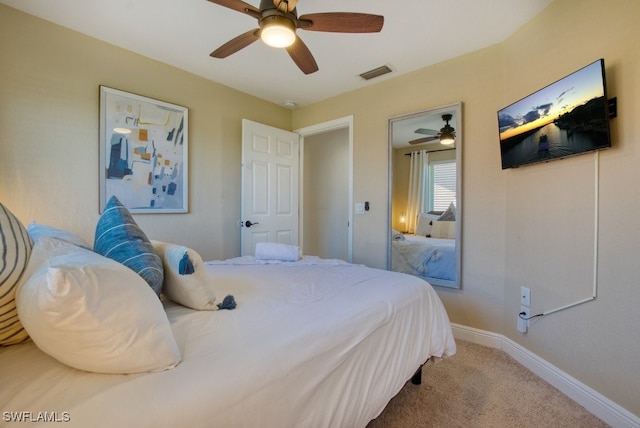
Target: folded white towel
<point>276,251</point>
<point>397,236</point>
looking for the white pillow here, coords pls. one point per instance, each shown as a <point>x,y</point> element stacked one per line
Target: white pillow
<point>93,313</point>
<point>194,290</point>
<point>37,231</point>
<point>425,224</point>
<point>444,229</point>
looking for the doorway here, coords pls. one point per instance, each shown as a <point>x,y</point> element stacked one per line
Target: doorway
<point>325,206</point>
<point>326,172</point>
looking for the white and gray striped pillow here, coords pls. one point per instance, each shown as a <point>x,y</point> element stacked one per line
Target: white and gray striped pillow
<point>15,249</point>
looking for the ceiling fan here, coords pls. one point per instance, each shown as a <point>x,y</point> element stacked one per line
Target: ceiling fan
<point>447,134</point>
<point>277,24</point>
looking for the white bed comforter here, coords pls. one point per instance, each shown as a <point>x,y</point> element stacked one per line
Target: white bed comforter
<point>430,258</point>
<point>309,345</point>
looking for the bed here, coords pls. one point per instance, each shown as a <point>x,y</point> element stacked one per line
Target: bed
<point>429,252</point>
<point>433,259</point>
<point>310,342</point>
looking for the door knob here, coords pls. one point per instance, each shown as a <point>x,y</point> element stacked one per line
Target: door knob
<point>249,224</point>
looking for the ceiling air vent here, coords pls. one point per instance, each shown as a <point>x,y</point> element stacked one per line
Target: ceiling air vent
<point>368,75</point>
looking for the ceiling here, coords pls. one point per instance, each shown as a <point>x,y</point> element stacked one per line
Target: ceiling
<point>182,33</point>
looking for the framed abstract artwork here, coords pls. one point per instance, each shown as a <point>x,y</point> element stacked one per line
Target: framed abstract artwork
<point>143,153</point>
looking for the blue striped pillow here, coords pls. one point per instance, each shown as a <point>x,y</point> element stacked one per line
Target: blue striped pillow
<point>120,238</point>
<point>15,249</point>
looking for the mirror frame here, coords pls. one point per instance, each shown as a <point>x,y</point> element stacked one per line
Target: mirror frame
<point>459,194</point>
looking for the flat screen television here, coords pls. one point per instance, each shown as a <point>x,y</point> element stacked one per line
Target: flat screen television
<point>566,118</point>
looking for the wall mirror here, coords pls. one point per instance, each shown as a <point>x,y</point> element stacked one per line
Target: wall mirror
<point>425,213</point>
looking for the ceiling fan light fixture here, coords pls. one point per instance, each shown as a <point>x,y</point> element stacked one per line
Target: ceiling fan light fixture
<point>447,139</point>
<point>278,22</point>
<point>278,31</point>
<point>447,133</point>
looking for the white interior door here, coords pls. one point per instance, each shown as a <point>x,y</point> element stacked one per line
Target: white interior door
<point>270,158</point>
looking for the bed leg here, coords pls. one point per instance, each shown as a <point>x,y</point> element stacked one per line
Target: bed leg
<point>416,379</point>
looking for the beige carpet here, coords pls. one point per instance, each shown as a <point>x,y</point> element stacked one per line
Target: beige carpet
<point>482,387</point>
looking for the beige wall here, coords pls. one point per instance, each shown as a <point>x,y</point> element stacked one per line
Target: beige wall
<point>49,156</point>
<point>532,226</point>
<point>549,210</point>
<point>49,133</point>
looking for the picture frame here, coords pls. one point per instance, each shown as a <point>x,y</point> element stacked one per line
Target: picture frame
<point>143,153</point>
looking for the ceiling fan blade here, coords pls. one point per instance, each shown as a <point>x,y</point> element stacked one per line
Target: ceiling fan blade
<point>426,131</point>
<point>423,140</point>
<point>238,5</point>
<point>341,22</point>
<point>301,55</point>
<point>235,44</point>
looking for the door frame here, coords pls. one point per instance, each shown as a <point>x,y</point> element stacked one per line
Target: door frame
<point>340,123</point>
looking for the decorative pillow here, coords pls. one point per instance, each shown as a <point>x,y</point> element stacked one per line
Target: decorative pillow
<point>444,229</point>
<point>425,223</point>
<point>15,250</point>
<point>119,238</point>
<point>449,214</point>
<point>186,280</point>
<point>93,313</point>
<point>36,231</point>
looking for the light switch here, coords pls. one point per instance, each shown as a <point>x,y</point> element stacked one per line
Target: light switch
<point>359,208</point>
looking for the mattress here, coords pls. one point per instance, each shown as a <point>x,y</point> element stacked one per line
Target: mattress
<point>322,344</point>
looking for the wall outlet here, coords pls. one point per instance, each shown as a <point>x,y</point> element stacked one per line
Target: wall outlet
<point>523,324</point>
<point>525,297</point>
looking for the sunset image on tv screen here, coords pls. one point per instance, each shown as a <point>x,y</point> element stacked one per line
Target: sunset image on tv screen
<point>566,118</point>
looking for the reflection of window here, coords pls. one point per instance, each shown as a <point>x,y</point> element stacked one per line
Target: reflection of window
<point>441,185</point>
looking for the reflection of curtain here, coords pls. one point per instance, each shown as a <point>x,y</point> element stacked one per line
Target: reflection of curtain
<point>417,189</point>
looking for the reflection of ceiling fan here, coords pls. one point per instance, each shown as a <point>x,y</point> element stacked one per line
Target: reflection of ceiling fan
<point>447,134</point>
<point>277,24</point>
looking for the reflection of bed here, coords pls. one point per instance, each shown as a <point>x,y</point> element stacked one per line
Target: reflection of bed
<point>433,259</point>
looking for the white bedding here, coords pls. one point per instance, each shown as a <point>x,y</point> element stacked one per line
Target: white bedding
<point>433,259</point>
<point>312,345</point>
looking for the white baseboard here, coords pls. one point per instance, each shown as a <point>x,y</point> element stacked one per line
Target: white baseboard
<point>596,403</point>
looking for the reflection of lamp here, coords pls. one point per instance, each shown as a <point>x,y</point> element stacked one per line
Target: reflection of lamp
<point>122,131</point>
<point>277,31</point>
<point>403,222</point>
